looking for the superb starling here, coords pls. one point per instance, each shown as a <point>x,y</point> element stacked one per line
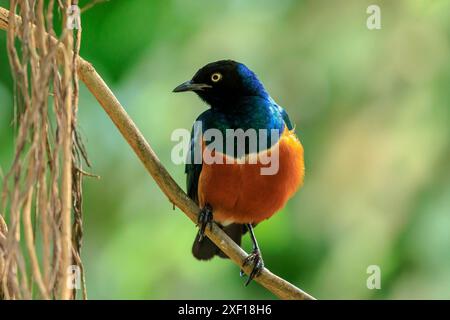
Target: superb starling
<point>236,194</point>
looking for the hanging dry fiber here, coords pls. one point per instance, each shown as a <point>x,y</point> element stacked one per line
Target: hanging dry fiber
<point>42,190</point>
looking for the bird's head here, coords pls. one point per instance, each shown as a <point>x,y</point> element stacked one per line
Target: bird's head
<point>222,83</point>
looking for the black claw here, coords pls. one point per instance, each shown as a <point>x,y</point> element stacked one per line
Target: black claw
<point>205,218</point>
<point>254,258</point>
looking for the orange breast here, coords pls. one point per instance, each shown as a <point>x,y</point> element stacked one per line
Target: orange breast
<point>241,193</point>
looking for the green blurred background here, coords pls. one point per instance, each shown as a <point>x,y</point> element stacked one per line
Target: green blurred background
<point>372,109</point>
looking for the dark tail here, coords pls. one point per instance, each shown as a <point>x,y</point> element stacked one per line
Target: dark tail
<point>206,249</point>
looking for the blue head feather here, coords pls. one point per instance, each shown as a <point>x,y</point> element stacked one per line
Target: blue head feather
<point>250,81</point>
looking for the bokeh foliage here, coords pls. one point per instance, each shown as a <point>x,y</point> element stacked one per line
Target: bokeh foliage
<point>372,109</point>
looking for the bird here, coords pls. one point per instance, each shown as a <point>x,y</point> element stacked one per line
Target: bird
<point>235,194</point>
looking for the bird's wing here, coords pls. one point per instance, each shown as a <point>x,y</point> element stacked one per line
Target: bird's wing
<point>286,119</point>
<point>283,113</point>
<point>194,163</point>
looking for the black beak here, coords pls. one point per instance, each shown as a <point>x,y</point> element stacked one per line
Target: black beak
<point>191,86</point>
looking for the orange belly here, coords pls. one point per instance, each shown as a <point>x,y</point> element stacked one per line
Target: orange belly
<point>239,193</point>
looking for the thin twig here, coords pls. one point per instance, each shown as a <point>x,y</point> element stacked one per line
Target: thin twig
<point>91,4</point>
<point>96,85</point>
<point>30,246</point>
<point>66,183</point>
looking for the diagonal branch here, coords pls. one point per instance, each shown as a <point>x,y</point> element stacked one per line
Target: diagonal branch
<point>87,73</point>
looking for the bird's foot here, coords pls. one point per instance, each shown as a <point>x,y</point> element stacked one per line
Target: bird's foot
<point>205,218</point>
<point>255,259</point>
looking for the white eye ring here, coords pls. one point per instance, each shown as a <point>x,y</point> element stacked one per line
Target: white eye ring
<point>215,77</point>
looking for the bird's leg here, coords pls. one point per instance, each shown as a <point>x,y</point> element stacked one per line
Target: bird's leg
<point>254,258</point>
<point>205,218</point>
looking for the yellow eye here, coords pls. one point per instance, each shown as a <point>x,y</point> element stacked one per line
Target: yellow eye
<point>216,77</point>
